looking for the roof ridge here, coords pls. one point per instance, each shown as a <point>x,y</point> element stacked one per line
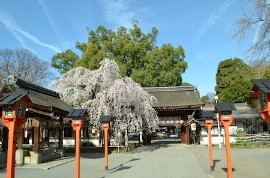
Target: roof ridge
<point>175,88</point>
<point>13,80</point>
<point>267,86</point>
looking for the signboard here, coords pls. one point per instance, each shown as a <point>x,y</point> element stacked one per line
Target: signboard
<point>193,126</point>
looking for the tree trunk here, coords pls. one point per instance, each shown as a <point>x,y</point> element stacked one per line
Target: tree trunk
<point>126,138</point>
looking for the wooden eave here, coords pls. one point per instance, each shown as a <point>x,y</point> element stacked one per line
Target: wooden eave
<point>259,84</point>
<point>254,92</point>
<point>34,113</point>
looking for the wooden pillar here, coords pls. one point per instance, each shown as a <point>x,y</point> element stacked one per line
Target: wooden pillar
<point>183,134</point>
<point>187,134</point>
<point>61,133</point>
<point>5,139</point>
<point>60,138</point>
<point>20,137</point>
<point>33,135</point>
<point>47,134</point>
<point>36,138</point>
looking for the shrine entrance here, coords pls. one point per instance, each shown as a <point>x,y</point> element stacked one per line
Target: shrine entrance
<point>175,106</point>
<point>173,124</point>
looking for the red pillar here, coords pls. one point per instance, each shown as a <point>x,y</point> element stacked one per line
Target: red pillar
<point>106,148</point>
<point>77,128</point>
<point>78,143</point>
<point>209,126</point>
<point>11,149</point>
<point>226,124</point>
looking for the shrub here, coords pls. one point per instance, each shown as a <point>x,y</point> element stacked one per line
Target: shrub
<point>87,144</point>
<point>248,144</point>
<point>69,149</point>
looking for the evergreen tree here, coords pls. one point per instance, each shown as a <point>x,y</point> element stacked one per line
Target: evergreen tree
<point>133,51</point>
<point>233,81</point>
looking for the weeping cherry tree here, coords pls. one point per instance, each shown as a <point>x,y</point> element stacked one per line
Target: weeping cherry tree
<point>104,92</point>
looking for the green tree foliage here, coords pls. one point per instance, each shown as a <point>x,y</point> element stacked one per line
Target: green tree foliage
<point>132,50</point>
<point>186,84</point>
<point>204,99</point>
<point>208,98</point>
<point>64,61</point>
<point>233,81</point>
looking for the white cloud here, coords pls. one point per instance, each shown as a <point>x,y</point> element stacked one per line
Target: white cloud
<point>119,12</point>
<point>56,30</point>
<point>18,32</point>
<point>208,23</point>
<point>200,56</point>
<point>207,59</point>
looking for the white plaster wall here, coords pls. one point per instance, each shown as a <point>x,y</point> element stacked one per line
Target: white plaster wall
<point>72,141</point>
<point>215,140</point>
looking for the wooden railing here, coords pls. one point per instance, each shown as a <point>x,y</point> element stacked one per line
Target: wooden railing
<point>254,138</point>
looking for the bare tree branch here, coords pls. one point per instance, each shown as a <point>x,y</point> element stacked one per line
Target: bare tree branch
<point>24,65</point>
<point>257,23</point>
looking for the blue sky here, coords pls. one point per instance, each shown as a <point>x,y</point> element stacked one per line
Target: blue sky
<point>202,28</point>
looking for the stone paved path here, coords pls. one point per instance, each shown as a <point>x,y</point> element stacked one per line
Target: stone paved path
<point>156,161</point>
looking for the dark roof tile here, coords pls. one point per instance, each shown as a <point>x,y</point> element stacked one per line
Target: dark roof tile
<point>225,106</point>
<point>186,97</point>
<point>11,98</point>
<point>76,112</point>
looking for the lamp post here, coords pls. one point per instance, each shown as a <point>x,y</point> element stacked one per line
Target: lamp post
<point>208,122</point>
<point>261,91</point>
<point>13,116</point>
<point>105,121</point>
<point>225,113</point>
<point>219,143</point>
<point>78,122</point>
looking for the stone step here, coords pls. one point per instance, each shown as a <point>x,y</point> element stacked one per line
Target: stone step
<point>27,160</point>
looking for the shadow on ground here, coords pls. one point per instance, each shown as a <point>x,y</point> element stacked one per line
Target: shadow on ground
<point>86,155</point>
<point>156,144</point>
<point>122,167</point>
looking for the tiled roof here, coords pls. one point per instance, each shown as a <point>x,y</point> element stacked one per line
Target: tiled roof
<point>42,98</point>
<point>105,118</point>
<point>76,112</point>
<point>175,97</point>
<point>225,106</point>
<point>208,114</point>
<point>243,111</point>
<point>11,98</point>
<point>262,84</point>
